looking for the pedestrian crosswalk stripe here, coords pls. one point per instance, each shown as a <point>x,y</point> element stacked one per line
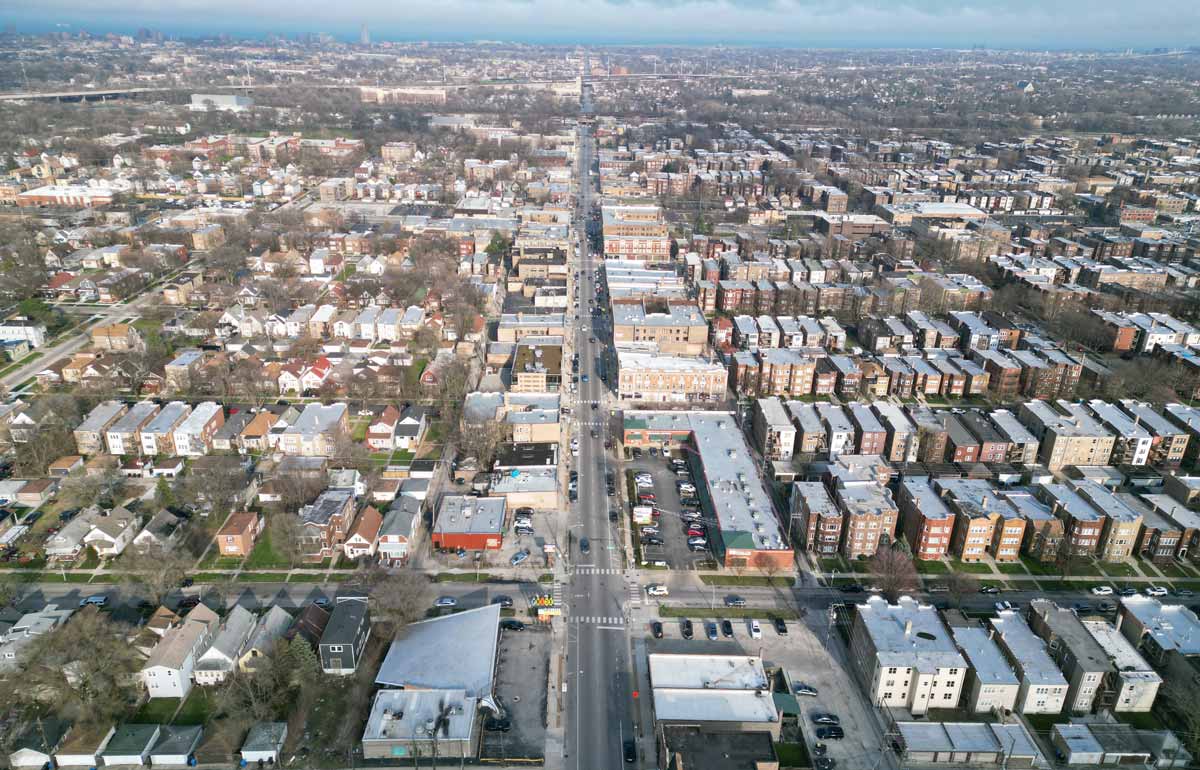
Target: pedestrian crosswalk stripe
<point>598,620</point>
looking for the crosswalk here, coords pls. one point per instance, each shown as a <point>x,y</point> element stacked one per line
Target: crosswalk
<point>597,620</point>
<point>597,571</point>
<point>633,593</point>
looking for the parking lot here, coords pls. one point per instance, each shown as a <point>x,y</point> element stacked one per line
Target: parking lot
<point>805,654</point>
<point>674,550</point>
<point>521,681</point>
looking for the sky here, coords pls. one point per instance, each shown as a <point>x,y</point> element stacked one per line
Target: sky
<point>1023,24</point>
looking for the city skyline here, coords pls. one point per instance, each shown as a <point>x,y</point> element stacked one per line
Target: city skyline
<point>774,23</point>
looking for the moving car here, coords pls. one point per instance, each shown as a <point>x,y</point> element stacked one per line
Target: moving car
<point>734,600</point>
<point>585,545</point>
<point>446,601</point>
<point>657,589</point>
<point>630,749</point>
<point>825,718</point>
<point>989,590</point>
<point>800,688</point>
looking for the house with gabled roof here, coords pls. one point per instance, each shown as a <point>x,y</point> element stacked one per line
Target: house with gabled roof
<point>269,629</point>
<point>221,658</point>
<point>364,535</point>
<point>168,671</point>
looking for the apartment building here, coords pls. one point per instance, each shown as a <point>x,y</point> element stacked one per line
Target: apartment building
<point>649,377</point>
<point>124,436</point>
<point>984,522</point>
<point>1043,687</point>
<point>993,446</point>
<point>89,435</point>
<point>869,434</point>
<point>991,685</point>
<point>1073,438</point>
<point>839,431</point>
<point>961,445</point>
<point>773,429</point>
<point>1022,444</point>
<point>1159,631</point>
<point>928,524</point>
<point>906,655</point>
<point>537,365</point>
<point>317,431</point>
<point>901,445</point>
<point>1079,656</point>
<point>1122,525</point>
<point>1132,442</point>
<point>1083,525</point>
<point>1044,531</point>
<point>869,516</point>
<point>1168,443</point>
<point>678,329</point>
<point>811,437</point>
<point>158,437</point>
<point>816,520</point>
<point>1134,684</point>
<point>193,437</point>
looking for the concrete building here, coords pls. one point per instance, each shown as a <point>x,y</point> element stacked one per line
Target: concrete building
<point>472,523</point>
<point>674,328</point>
<point>718,693</point>
<point>1133,685</point>
<point>649,377</point>
<point>906,656</point>
<point>1043,687</point>
<point>991,684</point>
<point>1079,656</point>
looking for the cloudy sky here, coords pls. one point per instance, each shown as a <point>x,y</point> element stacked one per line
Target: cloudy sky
<point>799,23</point>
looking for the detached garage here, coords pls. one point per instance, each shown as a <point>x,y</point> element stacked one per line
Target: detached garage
<point>264,742</point>
<point>176,746</point>
<point>131,745</point>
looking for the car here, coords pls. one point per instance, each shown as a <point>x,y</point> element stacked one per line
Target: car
<point>686,628</point>
<point>654,451</point>
<point>519,558</point>
<point>1184,592</point>
<point>503,601</point>
<point>1001,606</point>
<point>614,514</point>
<point>608,443</point>
<point>95,600</point>
<point>610,490</point>
<point>657,589</point>
<point>652,540</point>
<point>1102,591</point>
<point>780,626</point>
<point>755,629</point>
<point>820,749</point>
<point>733,600</point>
<point>1155,591</point>
<point>572,476</point>
<point>584,378</point>
<point>1105,606</point>
<point>727,629</point>
<point>187,582</point>
<point>710,630</point>
<point>852,588</point>
<point>656,629</point>
<point>989,590</point>
<point>511,624</point>
<point>1081,607</point>
<point>29,520</point>
<point>830,733</point>
<point>695,532</point>
<point>630,750</point>
<point>697,548</point>
<point>635,453</point>
<point>573,486</point>
<point>800,688</point>
<point>594,433</point>
<point>1127,591</point>
<point>497,724</point>
<point>824,763</point>
<point>697,540</point>
<point>650,529</point>
<point>524,530</point>
<point>824,718</point>
<point>647,497</point>
<point>446,601</point>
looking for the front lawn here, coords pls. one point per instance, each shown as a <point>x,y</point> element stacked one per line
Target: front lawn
<point>1011,568</point>
<point>746,580</point>
<point>1172,570</point>
<point>264,555</point>
<point>1037,567</point>
<point>1118,569</point>
<point>971,567</point>
<point>931,567</point>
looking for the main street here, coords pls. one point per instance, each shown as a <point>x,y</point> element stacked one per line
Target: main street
<point>598,659</point>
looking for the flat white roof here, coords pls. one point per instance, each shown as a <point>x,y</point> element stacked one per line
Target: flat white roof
<point>985,657</point>
<point>1173,626</point>
<point>909,634</point>
<point>1128,661</point>
<point>707,672</point>
<point>1027,649</point>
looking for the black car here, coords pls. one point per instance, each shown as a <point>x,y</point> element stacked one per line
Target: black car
<point>824,763</point>
<point>585,545</point>
<point>656,629</point>
<point>574,476</point>
<point>727,629</point>
<point>652,540</point>
<point>780,626</point>
<point>187,582</point>
<point>852,588</point>
<point>636,453</point>
<point>734,601</point>
<point>686,628</point>
<point>68,514</point>
<point>825,718</point>
<point>710,630</point>
<point>512,624</point>
<point>614,514</point>
<point>830,733</point>
<point>503,601</point>
<point>497,724</point>
<point>630,752</point>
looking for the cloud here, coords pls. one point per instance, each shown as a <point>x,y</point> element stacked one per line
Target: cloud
<point>799,23</point>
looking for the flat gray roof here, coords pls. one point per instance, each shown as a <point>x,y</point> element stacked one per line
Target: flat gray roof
<point>909,634</point>
<point>986,659</point>
<point>451,652</point>
<point>1027,649</point>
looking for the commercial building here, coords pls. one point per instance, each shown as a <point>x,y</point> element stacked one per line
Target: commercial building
<point>220,102</point>
<point>650,377</point>
<point>661,326</point>
<point>1043,687</point>
<point>906,656</point>
<point>537,365</point>
<point>716,693</point>
<point>471,523</point>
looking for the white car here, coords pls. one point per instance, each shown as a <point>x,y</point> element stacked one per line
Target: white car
<point>1002,606</point>
<point>755,630</point>
<point>1156,591</point>
<point>1102,591</point>
<point>657,589</point>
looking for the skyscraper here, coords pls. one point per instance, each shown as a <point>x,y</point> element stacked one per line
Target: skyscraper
<point>364,35</point>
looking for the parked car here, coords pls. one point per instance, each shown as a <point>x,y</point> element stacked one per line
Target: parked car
<point>727,629</point>
<point>780,626</point>
<point>1127,591</point>
<point>710,630</point>
<point>95,600</point>
<point>511,624</point>
<point>686,629</point>
<point>830,733</point>
<point>1102,591</point>
<point>446,601</point>
<point>825,718</point>
<point>697,540</point>
<point>755,629</point>
<point>519,557</point>
<point>800,688</point>
<point>652,540</point>
<point>656,629</point>
<point>1001,606</point>
<point>989,590</point>
<point>650,529</point>
<point>503,601</point>
<point>497,724</point>
<point>1155,591</point>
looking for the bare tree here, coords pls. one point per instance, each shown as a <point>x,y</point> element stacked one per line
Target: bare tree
<point>960,585</point>
<point>397,598</point>
<point>893,571</point>
<point>84,669</point>
<point>154,570</point>
<point>287,537</point>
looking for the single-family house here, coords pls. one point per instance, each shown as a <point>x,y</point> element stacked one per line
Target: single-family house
<point>326,523</point>
<point>364,535</point>
<point>168,671</point>
<point>345,637</point>
<point>110,534</point>
<point>381,433</point>
<point>410,429</point>
<point>222,656</point>
<point>237,535</point>
<point>309,625</point>
<point>398,529</point>
<point>267,632</point>
<point>160,532</point>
